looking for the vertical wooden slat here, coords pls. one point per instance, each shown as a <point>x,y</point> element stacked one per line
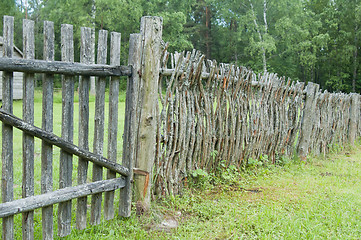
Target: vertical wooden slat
<point>28,140</point>
<point>113,121</point>
<point>7,180</point>
<point>307,120</point>
<point>96,201</point>
<point>66,165</point>
<point>87,45</point>
<point>354,113</point>
<point>130,122</point>
<point>47,125</point>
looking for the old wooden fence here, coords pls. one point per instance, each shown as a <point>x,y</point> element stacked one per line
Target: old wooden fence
<point>212,113</point>
<point>183,112</point>
<point>118,176</point>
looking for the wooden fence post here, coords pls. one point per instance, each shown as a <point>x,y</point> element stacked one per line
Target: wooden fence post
<point>307,120</point>
<point>151,33</point>
<point>354,113</point>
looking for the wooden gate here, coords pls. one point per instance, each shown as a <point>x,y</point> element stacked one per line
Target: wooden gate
<point>118,176</point>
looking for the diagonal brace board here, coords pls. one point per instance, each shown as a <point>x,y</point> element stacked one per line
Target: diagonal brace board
<point>61,195</point>
<point>61,143</point>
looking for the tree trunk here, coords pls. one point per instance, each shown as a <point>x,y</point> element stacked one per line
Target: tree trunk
<point>207,34</point>
<point>264,60</point>
<point>355,62</point>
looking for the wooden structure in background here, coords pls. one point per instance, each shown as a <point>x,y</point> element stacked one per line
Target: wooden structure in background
<point>18,76</point>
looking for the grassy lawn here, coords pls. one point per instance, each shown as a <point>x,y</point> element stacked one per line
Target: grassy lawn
<point>317,200</point>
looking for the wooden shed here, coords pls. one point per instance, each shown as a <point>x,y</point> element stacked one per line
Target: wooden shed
<point>18,76</point>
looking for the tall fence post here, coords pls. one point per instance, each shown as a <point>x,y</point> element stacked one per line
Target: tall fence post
<point>307,120</point>
<point>354,114</point>
<point>151,34</point>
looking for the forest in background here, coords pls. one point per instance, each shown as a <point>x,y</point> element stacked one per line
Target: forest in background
<point>306,40</point>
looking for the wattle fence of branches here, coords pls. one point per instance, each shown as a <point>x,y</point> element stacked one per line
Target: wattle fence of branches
<point>212,113</point>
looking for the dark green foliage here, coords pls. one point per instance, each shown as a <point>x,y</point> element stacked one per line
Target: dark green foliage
<point>316,40</point>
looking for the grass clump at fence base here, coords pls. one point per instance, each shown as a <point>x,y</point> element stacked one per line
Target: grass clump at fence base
<point>319,199</point>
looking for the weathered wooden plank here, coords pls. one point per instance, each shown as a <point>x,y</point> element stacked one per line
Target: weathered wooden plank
<point>112,121</point>
<point>59,196</point>
<point>151,30</point>
<point>307,120</point>
<point>355,108</point>
<point>131,122</point>
<point>7,179</point>
<point>61,143</point>
<point>87,45</point>
<point>47,125</point>
<point>67,128</point>
<point>66,68</point>
<point>96,201</point>
<point>28,140</point>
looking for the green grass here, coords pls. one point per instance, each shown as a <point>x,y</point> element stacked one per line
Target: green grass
<point>317,200</point>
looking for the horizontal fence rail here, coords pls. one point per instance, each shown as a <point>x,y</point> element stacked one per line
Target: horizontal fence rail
<point>65,68</point>
<point>61,195</point>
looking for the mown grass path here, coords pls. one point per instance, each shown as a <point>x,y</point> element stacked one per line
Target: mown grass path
<point>317,200</point>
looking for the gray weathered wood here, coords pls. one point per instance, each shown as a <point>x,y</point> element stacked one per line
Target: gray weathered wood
<point>61,143</point>
<point>354,115</point>
<point>151,31</point>
<point>131,122</point>
<point>47,125</point>
<point>28,140</point>
<point>84,84</point>
<point>66,68</point>
<point>7,179</point>
<point>307,120</point>
<point>67,127</point>
<point>112,121</point>
<point>96,201</point>
<point>58,196</point>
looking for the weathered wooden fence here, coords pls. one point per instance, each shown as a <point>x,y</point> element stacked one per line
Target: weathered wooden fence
<point>220,112</point>
<point>207,113</point>
<point>118,176</point>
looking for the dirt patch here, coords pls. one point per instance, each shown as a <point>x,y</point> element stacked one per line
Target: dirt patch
<point>164,222</point>
<point>326,174</point>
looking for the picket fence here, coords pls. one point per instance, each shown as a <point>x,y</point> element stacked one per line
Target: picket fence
<point>118,176</point>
